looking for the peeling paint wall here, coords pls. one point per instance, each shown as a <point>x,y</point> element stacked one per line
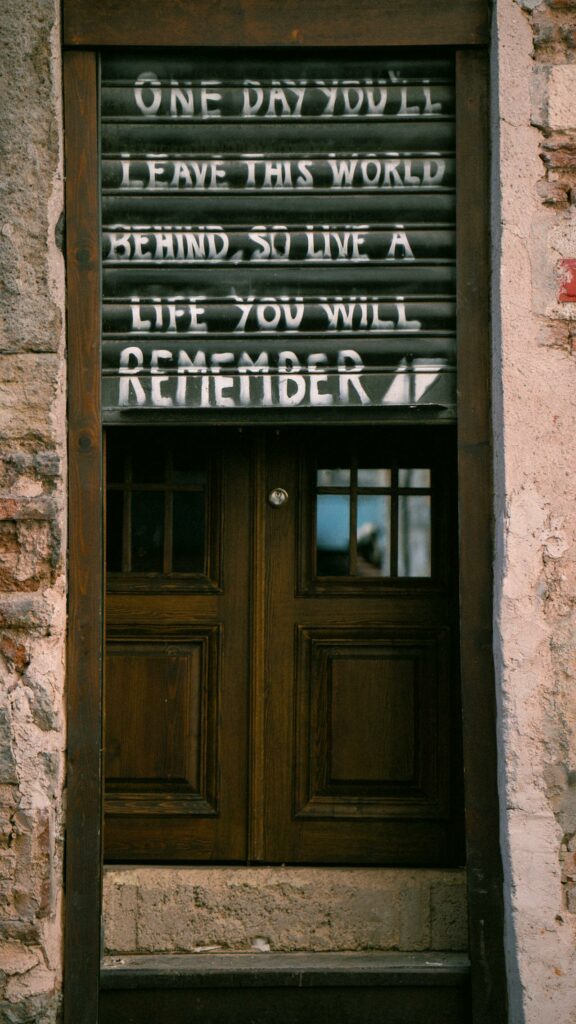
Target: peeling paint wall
<point>534,122</point>
<point>32,503</point>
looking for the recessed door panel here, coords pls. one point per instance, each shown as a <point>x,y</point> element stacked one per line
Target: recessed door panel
<point>162,722</point>
<point>383,686</point>
<point>369,723</point>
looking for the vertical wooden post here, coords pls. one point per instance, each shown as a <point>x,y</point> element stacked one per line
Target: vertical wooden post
<point>485,895</point>
<point>84,675</point>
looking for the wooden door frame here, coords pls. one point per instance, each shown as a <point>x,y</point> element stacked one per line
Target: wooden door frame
<point>331,23</point>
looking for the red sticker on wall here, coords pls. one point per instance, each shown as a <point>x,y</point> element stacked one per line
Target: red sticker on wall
<point>567,291</point>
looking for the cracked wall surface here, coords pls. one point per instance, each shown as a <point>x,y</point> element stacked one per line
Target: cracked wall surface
<point>534,231</point>
<point>32,502</point>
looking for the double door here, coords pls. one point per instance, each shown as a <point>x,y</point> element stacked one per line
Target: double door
<point>282,660</point>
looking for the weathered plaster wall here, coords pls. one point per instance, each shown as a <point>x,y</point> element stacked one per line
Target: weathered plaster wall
<point>32,500</point>
<point>534,403</point>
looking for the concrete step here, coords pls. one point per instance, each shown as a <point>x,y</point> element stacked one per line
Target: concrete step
<point>286,988</point>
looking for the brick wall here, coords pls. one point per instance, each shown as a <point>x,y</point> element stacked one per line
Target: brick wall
<point>32,502</point>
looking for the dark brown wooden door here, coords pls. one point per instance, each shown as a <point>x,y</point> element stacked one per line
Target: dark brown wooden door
<point>282,647</point>
<point>360,725</point>
<point>178,619</point>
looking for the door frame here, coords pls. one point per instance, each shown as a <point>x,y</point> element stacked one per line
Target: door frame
<point>330,23</point>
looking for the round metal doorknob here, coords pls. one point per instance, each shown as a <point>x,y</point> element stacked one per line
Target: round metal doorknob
<point>277,497</point>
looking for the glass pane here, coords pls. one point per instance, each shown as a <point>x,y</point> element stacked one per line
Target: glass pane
<point>332,534</point>
<point>188,532</point>
<point>333,478</point>
<point>374,478</point>
<point>413,478</point>
<point>115,501</point>
<point>414,535</point>
<point>373,535</point>
<point>147,531</point>
<point>114,463</point>
<point>148,460</point>
<point>187,466</point>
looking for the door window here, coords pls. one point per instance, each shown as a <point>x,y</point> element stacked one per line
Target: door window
<point>160,511</point>
<point>374,521</point>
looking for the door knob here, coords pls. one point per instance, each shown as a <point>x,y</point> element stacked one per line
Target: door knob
<point>277,497</point>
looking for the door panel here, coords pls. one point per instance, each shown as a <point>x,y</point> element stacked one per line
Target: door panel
<point>162,723</point>
<point>366,731</point>
<point>293,697</point>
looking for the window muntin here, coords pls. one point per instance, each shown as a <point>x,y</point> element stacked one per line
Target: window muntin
<point>158,491</point>
<point>373,521</point>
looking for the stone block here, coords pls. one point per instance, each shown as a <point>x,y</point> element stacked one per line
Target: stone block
<point>449,924</point>
<point>554,30</point>
<point>26,472</point>
<point>37,981</point>
<point>17,959</point>
<point>121,919</point>
<point>414,914</point>
<point>8,772</point>
<point>561,93</point>
<point>29,388</point>
<point>286,909</point>
<point>26,554</point>
<point>15,654</point>
<point>37,1009</point>
<point>30,612</point>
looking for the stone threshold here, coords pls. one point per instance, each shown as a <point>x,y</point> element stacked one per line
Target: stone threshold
<point>301,970</point>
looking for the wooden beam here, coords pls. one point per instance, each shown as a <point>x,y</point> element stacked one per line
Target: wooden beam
<point>485,887</point>
<point>83,837</point>
<point>269,23</point>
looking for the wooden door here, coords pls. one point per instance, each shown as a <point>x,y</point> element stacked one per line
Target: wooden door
<point>361,736</point>
<point>282,647</point>
<point>177,666</point>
